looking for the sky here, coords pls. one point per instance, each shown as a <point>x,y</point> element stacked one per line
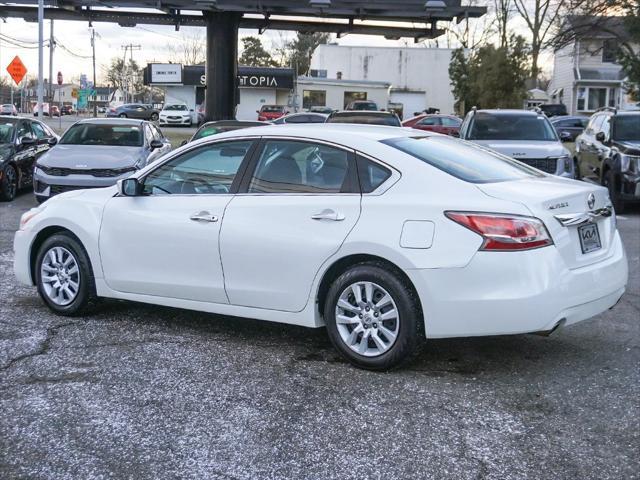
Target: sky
<point>73,56</point>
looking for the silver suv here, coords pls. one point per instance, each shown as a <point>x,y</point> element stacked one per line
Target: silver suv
<point>527,136</point>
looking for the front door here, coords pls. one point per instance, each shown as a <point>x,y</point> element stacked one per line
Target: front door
<point>165,242</point>
<point>292,213</point>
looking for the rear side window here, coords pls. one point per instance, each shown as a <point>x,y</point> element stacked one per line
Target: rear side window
<point>300,167</point>
<point>463,160</point>
<point>371,174</point>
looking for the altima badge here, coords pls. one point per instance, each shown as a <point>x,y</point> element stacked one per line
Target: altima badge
<point>591,201</point>
<point>81,166</point>
<point>558,205</point>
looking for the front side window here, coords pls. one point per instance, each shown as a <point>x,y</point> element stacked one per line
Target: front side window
<point>103,135</point>
<point>24,131</point>
<point>206,170</point>
<point>6,131</point>
<point>38,131</point>
<point>491,126</point>
<point>451,122</point>
<point>300,167</point>
<point>463,160</point>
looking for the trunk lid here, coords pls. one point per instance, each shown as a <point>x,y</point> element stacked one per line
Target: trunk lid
<point>548,197</point>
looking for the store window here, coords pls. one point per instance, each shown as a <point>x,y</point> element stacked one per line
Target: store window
<point>352,96</point>
<point>314,98</point>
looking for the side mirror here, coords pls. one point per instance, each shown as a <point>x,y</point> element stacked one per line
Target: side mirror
<point>455,134</point>
<point>566,137</point>
<point>52,141</point>
<point>27,141</point>
<point>600,137</point>
<point>129,187</point>
<point>155,144</point>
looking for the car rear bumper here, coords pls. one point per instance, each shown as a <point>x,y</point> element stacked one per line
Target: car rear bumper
<point>517,292</point>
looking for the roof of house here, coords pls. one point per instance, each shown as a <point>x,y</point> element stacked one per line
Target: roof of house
<point>598,26</point>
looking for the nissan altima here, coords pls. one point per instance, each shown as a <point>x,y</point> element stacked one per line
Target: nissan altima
<point>383,235</point>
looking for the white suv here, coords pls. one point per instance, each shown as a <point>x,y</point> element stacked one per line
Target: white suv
<point>527,136</point>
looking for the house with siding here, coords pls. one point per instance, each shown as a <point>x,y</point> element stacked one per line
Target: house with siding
<point>586,76</point>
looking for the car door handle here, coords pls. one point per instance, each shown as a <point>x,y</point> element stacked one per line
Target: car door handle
<point>203,217</point>
<point>328,214</point>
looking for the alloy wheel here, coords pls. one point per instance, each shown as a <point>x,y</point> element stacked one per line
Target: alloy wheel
<point>12,181</point>
<point>60,275</point>
<point>367,319</point>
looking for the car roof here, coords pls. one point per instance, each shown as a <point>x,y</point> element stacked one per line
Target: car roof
<point>512,111</point>
<point>112,121</point>
<point>342,133</point>
<point>231,123</point>
<point>361,112</point>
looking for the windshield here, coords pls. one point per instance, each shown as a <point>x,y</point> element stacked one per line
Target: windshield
<point>463,160</point>
<point>6,131</point>
<point>492,126</point>
<point>626,128</point>
<point>367,119</point>
<point>180,108</point>
<point>103,135</point>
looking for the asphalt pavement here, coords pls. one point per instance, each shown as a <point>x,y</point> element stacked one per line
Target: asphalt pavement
<point>143,392</point>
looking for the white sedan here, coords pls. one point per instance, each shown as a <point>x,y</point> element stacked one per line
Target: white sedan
<point>384,235</point>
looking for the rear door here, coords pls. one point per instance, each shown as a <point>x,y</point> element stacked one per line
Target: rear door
<point>297,204</point>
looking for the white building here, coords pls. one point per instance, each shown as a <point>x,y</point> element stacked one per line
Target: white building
<point>337,94</point>
<point>585,73</point>
<point>419,77</point>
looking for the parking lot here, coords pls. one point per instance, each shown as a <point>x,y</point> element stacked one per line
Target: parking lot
<point>137,391</point>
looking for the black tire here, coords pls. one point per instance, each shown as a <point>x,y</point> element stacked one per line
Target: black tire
<point>8,183</point>
<point>410,333</point>
<point>614,193</point>
<point>85,299</point>
<point>154,117</point>
<point>122,115</point>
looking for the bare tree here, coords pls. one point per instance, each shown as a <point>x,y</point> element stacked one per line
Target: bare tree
<point>190,50</point>
<point>503,11</point>
<point>540,17</point>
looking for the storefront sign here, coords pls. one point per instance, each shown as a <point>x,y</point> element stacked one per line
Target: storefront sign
<point>164,73</point>
<point>248,77</point>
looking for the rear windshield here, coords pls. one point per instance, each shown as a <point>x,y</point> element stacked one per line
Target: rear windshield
<point>367,119</point>
<point>463,160</point>
<point>272,108</point>
<point>105,135</point>
<point>492,126</point>
<point>626,128</point>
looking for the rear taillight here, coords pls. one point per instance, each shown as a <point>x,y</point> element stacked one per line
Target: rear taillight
<point>504,232</point>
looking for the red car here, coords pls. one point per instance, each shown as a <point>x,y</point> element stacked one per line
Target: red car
<point>271,112</point>
<point>447,124</point>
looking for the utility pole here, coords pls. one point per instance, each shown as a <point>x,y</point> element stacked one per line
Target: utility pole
<point>126,70</point>
<point>40,57</point>
<point>93,46</point>
<point>51,46</point>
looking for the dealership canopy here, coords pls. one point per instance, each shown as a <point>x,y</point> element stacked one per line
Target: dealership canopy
<point>417,19</point>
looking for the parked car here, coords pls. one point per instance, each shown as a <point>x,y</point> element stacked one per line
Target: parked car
<point>365,117</point>
<point>553,109</point>
<point>222,126</point>
<point>54,111</point>
<point>271,112</point>
<point>608,152</point>
<point>318,109</point>
<point>134,110</point>
<point>524,135</point>
<point>362,105</point>
<point>446,124</point>
<point>68,110</point>
<point>22,142</point>
<point>45,110</point>
<point>303,117</point>
<point>102,109</point>
<point>8,109</point>
<point>569,127</point>
<point>176,114</point>
<point>97,153</point>
<point>380,234</point>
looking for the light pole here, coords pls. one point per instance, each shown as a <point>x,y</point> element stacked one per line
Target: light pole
<point>40,58</point>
